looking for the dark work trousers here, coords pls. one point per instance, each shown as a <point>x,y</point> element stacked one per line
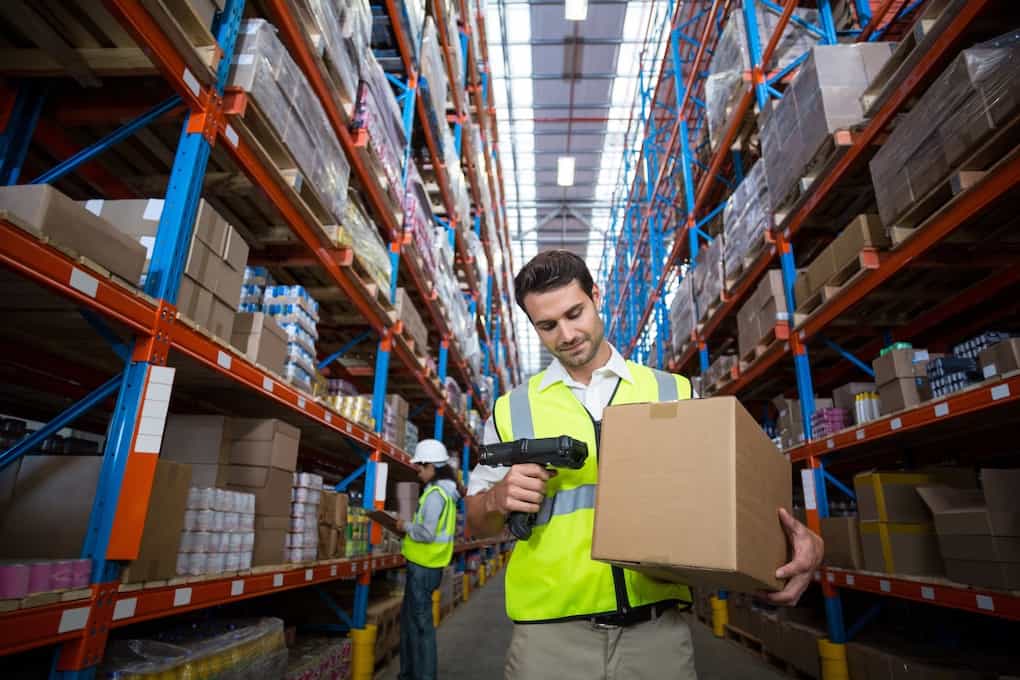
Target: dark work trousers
<point>417,632</point>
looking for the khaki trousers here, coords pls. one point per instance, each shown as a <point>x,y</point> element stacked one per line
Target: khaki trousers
<point>575,650</point>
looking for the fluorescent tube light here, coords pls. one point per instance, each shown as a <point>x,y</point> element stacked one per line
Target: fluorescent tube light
<point>575,10</point>
<point>565,171</point>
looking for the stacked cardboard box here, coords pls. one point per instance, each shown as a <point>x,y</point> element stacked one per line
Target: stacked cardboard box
<point>332,524</point>
<point>757,319</point>
<point>46,212</point>
<point>251,455</point>
<point>979,531</point>
<point>977,94</point>
<point>719,370</point>
<point>824,97</point>
<point>395,420</point>
<point>708,277</point>
<point>865,231</point>
<point>210,290</point>
<point>46,502</point>
<point>681,314</point>
<point>303,532</point>
<point>746,218</point>
<point>843,542</point>
<point>897,534</point>
<point>413,324</point>
<point>1000,358</point>
<point>870,662</point>
<point>790,423</point>
<point>261,339</point>
<point>902,378</point>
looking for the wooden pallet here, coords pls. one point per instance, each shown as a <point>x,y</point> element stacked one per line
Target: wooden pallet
<point>825,157</point>
<point>778,333</point>
<point>929,25</point>
<point>868,258</point>
<point>1001,144</point>
<point>757,648</point>
<point>710,312</point>
<point>43,599</point>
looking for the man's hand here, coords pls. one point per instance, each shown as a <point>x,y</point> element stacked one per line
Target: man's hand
<point>808,549</point>
<point>522,490</point>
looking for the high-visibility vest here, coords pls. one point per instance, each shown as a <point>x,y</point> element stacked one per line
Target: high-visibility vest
<point>439,552</point>
<point>551,576</point>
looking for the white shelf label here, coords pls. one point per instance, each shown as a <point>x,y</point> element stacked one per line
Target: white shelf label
<point>807,480</point>
<point>332,570</point>
<point>1000,392</point>
<point>941,410</point>
<point>231,135</point>
<point>830,444</point>
<point>224,360</point>
<point>277,580</point>
<point>348,427</point>
<point>308,574</point>
<point>329,417</point>
<point>860,435</point>
<point>237,587</point>
<point>851,579</point>
<point>354,567</point>
<point>885,586</point>
<point>267,384</point>
<point>895,424</point>
<point>985,602</point>
<point>125,609</point>
<point>831,577</point>
<point>73,619</point>
<point>84,283</point>
<point>990,371</point>
<point>191,81</point>
<point>927,593</point>
<point>182,596</point>
<point>301,402</point>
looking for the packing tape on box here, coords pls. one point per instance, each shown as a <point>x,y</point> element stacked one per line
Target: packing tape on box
<point>663,410</point>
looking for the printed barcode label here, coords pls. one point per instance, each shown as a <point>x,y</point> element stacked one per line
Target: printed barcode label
<point>986,603</point>
<point>277,580</point>
<point>182,596</point>
<point>267,384</point>
<point>860,435</point>
<point>885,586</point>
<point>895,424</point>
<point>237,588</point>
<point>1000,392</point>
<point>84,283</point>
<point>941,410</point>
<point>927,593</point>
<point>224,360</point>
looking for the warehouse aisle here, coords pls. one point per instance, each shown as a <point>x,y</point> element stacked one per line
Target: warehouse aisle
<point>474,640</point>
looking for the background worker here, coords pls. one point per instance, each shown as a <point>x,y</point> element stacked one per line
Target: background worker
<point>428,547</point>
<point>597,621</point>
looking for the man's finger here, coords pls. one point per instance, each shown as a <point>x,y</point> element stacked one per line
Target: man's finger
<point>526,495</point>
<point>532,470</point>
<point>791,524</point>
<point>515,505</point>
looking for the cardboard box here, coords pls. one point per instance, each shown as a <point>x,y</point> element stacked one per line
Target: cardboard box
<point>1000,358</point>
<point>897,548</point>
<point>47,212</point>
<point>890,496</point>
<point>164,521</point>
<point>903,393</point>
<point>800,647</point>
<point>821,269</point>
<point>270,486</point>
<point>843,396</point>
<point>1000,489</point>
<point>206,476</point>
<point>264,442</point>
<point>196,439</point>
<point>842,542</point>
<point>870,662</point>
<point>225,282</point>
<point>865,231</point>
<point>270,538</point>
<point>900,363</point>
<point>719,492</point>
<point>221,319</point>
<point>235,250</point>
<point>333,509</point>
<point>261,339</point>
<point>998,575</point>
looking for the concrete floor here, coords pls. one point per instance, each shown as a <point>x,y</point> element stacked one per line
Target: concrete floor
<point>474,639</point>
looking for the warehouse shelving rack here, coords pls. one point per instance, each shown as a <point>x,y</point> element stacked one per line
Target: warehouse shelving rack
<point>669,170</point>
<point>142,391</point>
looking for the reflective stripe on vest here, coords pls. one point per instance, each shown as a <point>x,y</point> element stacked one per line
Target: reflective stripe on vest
<point>552,575</point>
<point>439,552</point>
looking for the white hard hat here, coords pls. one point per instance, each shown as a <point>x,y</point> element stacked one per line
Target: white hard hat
<point>430,451</point>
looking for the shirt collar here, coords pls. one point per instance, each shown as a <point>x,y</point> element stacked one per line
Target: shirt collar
<point>616,365</point>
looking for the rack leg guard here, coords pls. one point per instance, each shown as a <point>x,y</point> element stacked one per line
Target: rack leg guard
<point>833,656</point>
<point>435,608</point>
<point>720,617</point>
<point>481,574</point>
<point>467,586</point>
<point>363,654</point>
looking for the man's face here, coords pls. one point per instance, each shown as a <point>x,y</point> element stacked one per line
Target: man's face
<point>568,323</point>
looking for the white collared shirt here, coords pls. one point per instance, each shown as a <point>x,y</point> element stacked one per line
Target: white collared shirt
<point>594,396</point>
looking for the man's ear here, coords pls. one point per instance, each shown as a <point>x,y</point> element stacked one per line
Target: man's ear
<point>596,295</point>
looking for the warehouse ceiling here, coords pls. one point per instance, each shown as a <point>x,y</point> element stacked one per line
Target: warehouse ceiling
<point>566,89</point>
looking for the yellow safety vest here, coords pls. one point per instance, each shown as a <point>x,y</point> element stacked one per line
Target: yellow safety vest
<point>439,552</point>
<point>551,576</point>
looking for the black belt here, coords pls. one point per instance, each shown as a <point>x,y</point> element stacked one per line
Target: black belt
<point>632,617</point>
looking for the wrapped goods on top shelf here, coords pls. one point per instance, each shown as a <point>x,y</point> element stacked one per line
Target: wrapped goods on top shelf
<point>746,218</point>
<point>824,98</point>
<point>335,37</point>
<point>758,319</point>
<point>731,60</point>
<point>456,396</point>
<point>455,175</point>
<point>377,112</point>
<point>411,14</point>
<point>433,76</point>
<point>681,314</point>
<point>418,219</point>
<point>245,648</point>
<point>452,15</point>
<point>359,232</point>
<point>477,251</point>
<point>265,70</point>
<point>413,324</point>
<point>708,277</point>
<point>410,436</point>
<point>977,94</point>
<point>356,25</point>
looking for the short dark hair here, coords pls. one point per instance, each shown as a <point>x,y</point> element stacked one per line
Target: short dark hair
<point>550,270</point>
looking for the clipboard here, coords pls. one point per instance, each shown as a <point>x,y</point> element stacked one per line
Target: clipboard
<point>387,520</point>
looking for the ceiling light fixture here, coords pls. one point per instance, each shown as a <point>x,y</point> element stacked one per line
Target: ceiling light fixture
<point>565,171</point>
<point>575,10</point>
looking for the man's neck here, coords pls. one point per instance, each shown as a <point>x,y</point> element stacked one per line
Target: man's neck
<point>582,374</point>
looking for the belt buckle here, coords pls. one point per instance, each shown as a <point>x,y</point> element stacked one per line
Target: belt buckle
<point>595,625</point>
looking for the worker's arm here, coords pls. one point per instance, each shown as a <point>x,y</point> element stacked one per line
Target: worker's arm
<point>425,530</point>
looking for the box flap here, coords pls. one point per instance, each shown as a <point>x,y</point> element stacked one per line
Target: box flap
<point>942,499</point>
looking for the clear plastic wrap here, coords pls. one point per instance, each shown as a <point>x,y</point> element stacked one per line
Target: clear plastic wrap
<point>746,218</point>
<point>477,251</point>
<point>225,649</point>
<point>977,93</point>
<point>359,232</point>
<point>824,97</point>
<point>378,113</point>
<point>731,58</point>
<point>433,72</point>
<point>708,277</point>
<point>455,174</point>
<point>681,314</point>
<point>329,17</point>
<point>264,69</point>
